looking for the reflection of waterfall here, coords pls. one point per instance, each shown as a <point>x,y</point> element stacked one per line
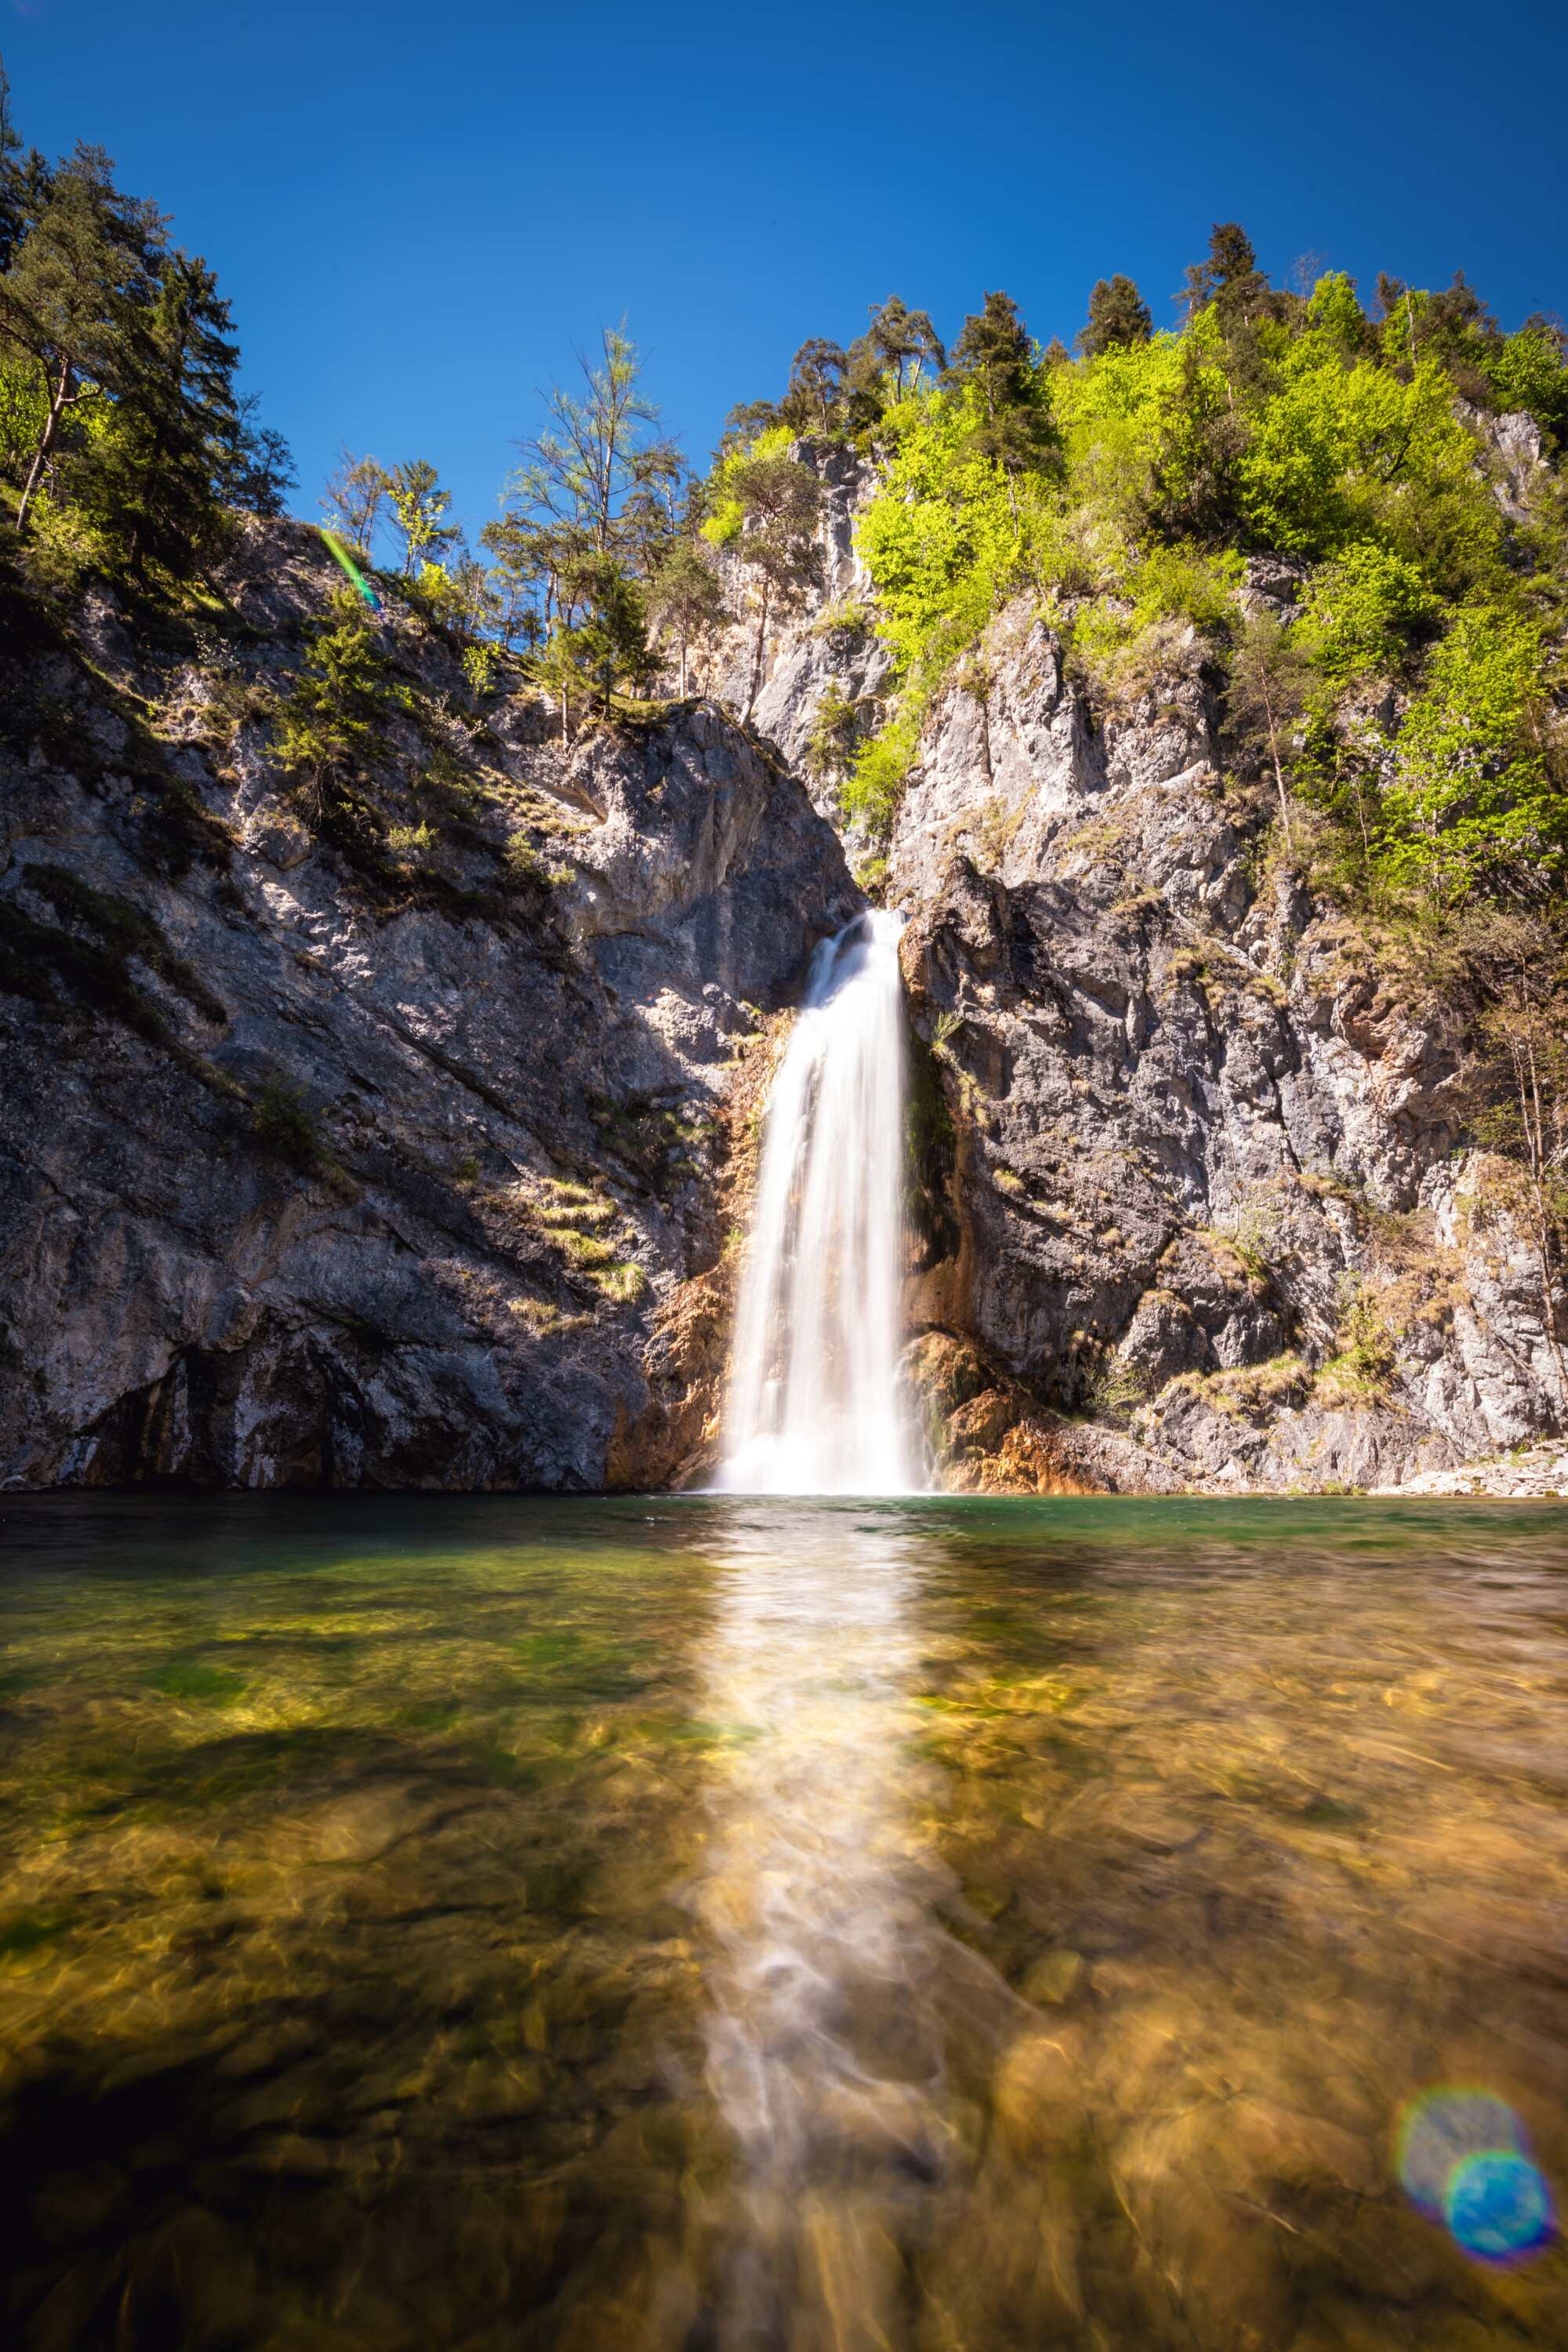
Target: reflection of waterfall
<point>825,2041</point>
<point>814,1407</point>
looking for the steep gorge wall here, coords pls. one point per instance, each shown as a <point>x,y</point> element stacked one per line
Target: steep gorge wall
<point>1192,1199</point>
<point>1208,1183</point>
<point>498,1078</point>
<point>1203,1182</point>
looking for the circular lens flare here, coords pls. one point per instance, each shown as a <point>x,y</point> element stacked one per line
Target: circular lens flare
<point>1498,2206</point>
<point>1464,2161</point>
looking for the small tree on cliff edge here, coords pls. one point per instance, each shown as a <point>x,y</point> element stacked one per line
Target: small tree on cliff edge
<point>85,261</point>
<point>419,506</point>
<point>899,335</point>
<point>1269,678</point>
<point>686,597</point>
<point>993,359</point>
<point>332,723</point>
<point>356,493</point>
<point>1119,317</point>
<point>814,401</point>
<point>781,499</point>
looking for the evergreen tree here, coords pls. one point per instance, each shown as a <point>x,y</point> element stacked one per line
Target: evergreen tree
<point>782,499</point>
<point>18,199</point>
<point>741,427</point>
<point>686,596</point>
<point>1457,325</point>
<point>1231,279</point>
<point>151,479</point>
<point>529,559</point>
<point>651,510</point>
<point>258,466</point>
<point>814,399</point>
<point>1118,316</point>
<point>993,359</point>
<point>332,724</point>
<point>865,386</point>
<point>899,335</point>
<point>85,263</point>
<point>587,656</point>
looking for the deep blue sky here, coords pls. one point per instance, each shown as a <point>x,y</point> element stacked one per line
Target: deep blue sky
<point>419,211</point>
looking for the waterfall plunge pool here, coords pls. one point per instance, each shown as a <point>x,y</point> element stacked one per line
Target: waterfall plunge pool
<point>711,1922</point>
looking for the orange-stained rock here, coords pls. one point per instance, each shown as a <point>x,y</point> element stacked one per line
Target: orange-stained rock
<point>675,1441</point>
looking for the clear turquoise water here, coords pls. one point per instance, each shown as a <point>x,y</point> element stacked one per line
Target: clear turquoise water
<point>694,1924</point>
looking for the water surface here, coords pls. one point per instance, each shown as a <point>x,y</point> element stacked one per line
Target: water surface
<point>710,1923</point>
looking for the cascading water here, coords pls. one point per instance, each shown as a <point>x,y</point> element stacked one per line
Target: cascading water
<point>814,1399</point>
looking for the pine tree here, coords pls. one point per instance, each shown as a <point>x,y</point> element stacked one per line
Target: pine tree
<point>686,597</point>
<point>899,335</point>
<point>1117,317</point>
<point>993,359</point>
<point>814,398</point>
<point>782,499</point>
<point>86,263</point>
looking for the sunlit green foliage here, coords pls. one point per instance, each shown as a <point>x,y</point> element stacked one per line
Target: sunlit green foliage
<point>1293,426</point>
<point>123,437</point>
<point>1528,373</point>
<point>726,515</point>
<point>1362,609</point>
<point>332,725</point>
<point>1473,790</point>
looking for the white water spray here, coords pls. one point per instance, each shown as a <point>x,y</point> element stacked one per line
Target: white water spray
<point>814,1402</point>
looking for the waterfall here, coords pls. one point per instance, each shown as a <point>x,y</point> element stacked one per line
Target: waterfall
<point>814,1401</point>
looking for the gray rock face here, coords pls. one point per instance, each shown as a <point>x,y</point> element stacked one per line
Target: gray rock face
<point>1512,450</point>
<point>1186,1166</point>
<point>1198,1151</point>
<point>831,646</point>
<point>510,1089</point>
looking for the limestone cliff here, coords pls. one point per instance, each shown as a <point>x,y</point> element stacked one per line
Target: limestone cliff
<point>316,1175</point>
<point>1192,1196</point>
<point>424,1176</point>
<point>1209,1179</point>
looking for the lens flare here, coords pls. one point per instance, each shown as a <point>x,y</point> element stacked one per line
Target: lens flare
<point>341,555</point>
<point>1498,2206</point>
<point>1464,2161</point>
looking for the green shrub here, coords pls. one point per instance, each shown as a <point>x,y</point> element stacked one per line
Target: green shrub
<point>1362,609</point>
<point>625,1281</point>
<point>871,790</point>
<point>283,1125</point>
<point>1473,791</point>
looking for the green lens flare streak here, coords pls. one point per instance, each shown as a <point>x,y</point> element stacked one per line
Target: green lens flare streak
<point>341,554</point>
